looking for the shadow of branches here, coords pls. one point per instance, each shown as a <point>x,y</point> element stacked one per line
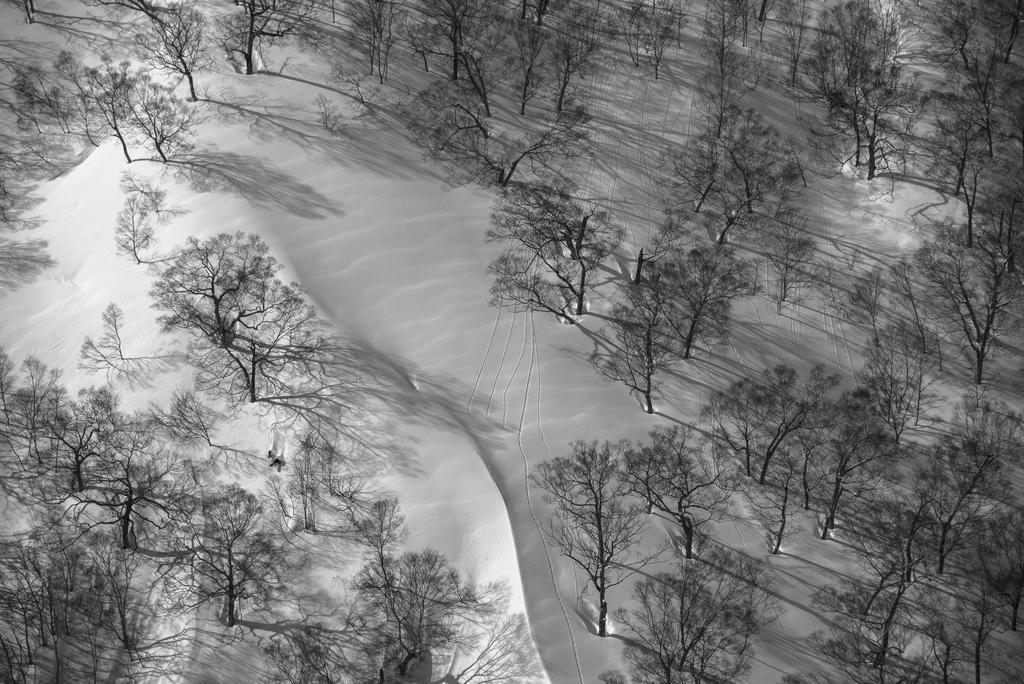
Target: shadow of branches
<point>254,179</point>
<point>21,262</point>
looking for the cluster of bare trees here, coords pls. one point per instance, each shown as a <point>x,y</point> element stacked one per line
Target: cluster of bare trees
<point>129,528</point>
<point>413,613</point>
<point>683,301</point>
<point>856,70</point>
<point>941,556</point>
<point>104,491</point>
<point>555,244</point>
<point>106,100</point>
<point>924,518</point>
<point>975,149</point>
<point>476,121</point>
<point>690,624</point>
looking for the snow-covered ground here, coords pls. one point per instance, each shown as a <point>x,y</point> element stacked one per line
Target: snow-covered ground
<point>396,262</point>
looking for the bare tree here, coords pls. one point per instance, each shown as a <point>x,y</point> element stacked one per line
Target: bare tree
<point>530,59</point>
<point>76,433</point>
<point>137,484</point>
<point>233,558</point>
<point>704,282</point>
<point>145,206</point>
<point>128,613</point>
<point>1002,554</point>
<point>252,337</point>
<point>867,299</point>
<point>455,130</point>
<point>158,115</point>
<point>856,455</point>
<point>794,19</point>
<point>313,653</point>
<point>979,613</point>
<point>720,86</point>
<point>906,284</point>
<point>755,418</point>
<point>967,472</point>
<point>898,375</point>
<point>650,27</point>
<point>106,96</point>
<point>595,525</point>
<point>177,44</point>
<point>947,639</point>
<point>737,174</point>
<point>697,625</point>
<point>325,486</point>
<point>775,502</point>
<point>454,22</point>
<point>680,479</point>
<point>556,242</point>
<point>958,146</point>
<point>151,11</point>
<point>374,23</point>
<point>972,291</point>
<point>976,37</point>
<point>855,71</point>
<point>577,38</point>
<point>645,345</point>
<point>791,251</point>
<point>187,420</point>
<point>421,600</point>
<point>257,23</point>
<point>873,618</point>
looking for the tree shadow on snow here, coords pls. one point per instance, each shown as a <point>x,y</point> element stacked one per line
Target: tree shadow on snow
<point>21,262</point>
<point>254,179</point>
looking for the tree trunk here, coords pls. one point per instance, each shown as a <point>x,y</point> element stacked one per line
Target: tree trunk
<point>872,161</point>
<point>562,88</point>
<point>782,519</point>
<point>833,504</point>
<point>977,658</point>
<point>691,333</point>
<point>403,667</point>
<point>191,87</point>
<point>639,267</point>
<point>602,618</point>
<point>687,526</point>
<point>126,525</point>
<point>883,651</point>
<point>943,552</point>
<point>1014,30</point>
<point>455,57</point>
<point>970,199</point>
<point>581,294</point>
<point>250,47</point>
<point>805,483</point>
<point>124,145</point>
<point>229,607</point>
<point>979,366</point>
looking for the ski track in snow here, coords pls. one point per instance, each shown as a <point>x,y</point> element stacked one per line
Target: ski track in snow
<point>515,371</point>
<point>487,353</point>
<point>534,369</point>
<point>499,308</point>
<point>501,364</point>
